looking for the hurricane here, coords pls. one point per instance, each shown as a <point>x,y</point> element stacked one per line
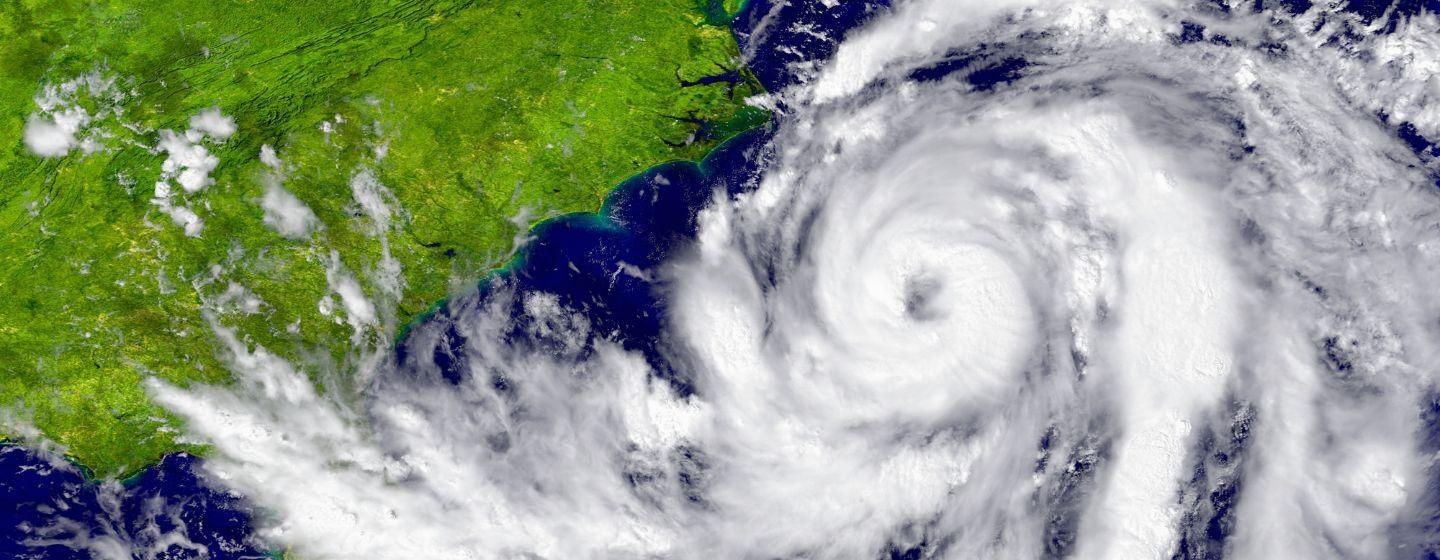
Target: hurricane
<point>1001,279</point>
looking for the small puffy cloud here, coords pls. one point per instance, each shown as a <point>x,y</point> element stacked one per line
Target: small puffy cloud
<point>183,216</point>
<point>372,197</point>
<point>189,162</point>
<point>213,123</point>
<point>53,135</point>
<point>60,124</point>
<point>268,157</point>
<point>287,214</point>
<point>48,138</point>
<point>361,312</point>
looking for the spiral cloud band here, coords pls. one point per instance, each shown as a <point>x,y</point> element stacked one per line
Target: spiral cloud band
<point>1017,279</point>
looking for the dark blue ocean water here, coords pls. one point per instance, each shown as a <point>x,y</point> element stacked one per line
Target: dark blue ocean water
<point>599,264</point>
<point>581,259</point>
<point>46,502</point>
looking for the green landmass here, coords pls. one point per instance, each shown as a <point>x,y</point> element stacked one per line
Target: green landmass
<point>724,11</point>
<point>480,117</point>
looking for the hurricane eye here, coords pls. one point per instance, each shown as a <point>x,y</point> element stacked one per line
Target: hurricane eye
<point>921,294</point>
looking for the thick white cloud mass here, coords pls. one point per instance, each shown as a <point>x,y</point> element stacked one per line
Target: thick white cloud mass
<point>1055,317</point>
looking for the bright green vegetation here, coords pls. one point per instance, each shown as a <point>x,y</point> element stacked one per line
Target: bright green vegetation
<point>733,7</point>
<point>484,111</point>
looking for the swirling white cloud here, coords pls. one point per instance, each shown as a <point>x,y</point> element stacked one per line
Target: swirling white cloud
<point>1049,317</point>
